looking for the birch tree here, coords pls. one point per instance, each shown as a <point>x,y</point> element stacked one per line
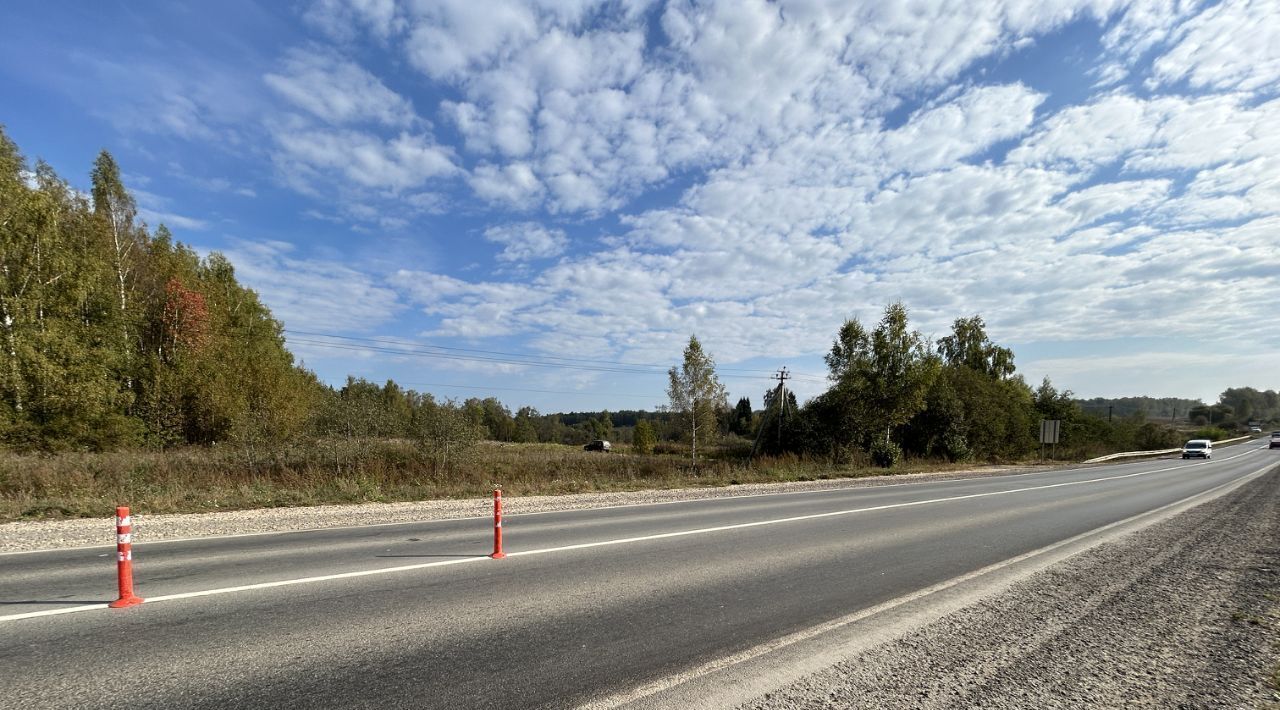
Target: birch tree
<point>697,395</point>
<point>116,211</point>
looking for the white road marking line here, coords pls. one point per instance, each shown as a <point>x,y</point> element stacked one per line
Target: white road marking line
<point>658,686</point>
<point>52,612</point>
<point>601,543</point>
<point>486,514</point>
<point>830,514</point>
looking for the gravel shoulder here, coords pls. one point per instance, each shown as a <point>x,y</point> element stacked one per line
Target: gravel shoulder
<point>31,535</point>
<point>1184,613</point>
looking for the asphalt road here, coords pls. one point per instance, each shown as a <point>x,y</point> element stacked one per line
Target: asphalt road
<point>588,604</point>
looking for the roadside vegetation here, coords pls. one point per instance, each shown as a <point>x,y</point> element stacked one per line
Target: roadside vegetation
<point>203,479</point>
<point>133,370</point>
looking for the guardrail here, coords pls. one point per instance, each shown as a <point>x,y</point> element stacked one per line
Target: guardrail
<point>1160,452</point>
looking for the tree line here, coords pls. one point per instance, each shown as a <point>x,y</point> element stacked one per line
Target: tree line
<point>114,334</point>
<point>894,393</point>
<point>117,335</point>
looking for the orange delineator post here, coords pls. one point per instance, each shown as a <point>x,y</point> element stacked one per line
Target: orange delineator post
<point>124,560</point>
<point>497,525</point>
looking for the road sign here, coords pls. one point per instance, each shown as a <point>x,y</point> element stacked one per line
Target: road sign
<point>1049,430</point>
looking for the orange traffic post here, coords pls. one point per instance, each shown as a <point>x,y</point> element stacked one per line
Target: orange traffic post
<point>497,525</point>
<point>124,560</point>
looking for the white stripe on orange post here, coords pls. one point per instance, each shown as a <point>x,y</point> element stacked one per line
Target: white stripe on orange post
<point>124,560</point>
<point>497,525</point>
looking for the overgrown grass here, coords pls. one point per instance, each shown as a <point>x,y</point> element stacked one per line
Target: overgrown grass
<point>199,479</point>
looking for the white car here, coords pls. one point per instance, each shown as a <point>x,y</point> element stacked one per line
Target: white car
<point>1197,449</point>
<point>1275,440</point>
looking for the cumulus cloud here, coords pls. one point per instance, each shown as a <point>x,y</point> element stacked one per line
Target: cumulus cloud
<point>313,294</point>
<point>756,172</point>
<point>515,184</point>
<point>338,91</point>
<point>400,163</point>
<point>941,136</point>
<point>1232,45</point>
<point>527,241</point>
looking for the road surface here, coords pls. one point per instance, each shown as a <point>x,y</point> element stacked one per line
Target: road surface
<point>595,607</point>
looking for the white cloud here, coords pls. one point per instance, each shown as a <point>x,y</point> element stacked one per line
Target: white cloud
<point>313,294</point>
<point>1162,133</point>
<point>756,172</point>
<point>453,36</point>
<point>1156,372</point>
<point>341,19</point>
<point>597,115</point>
<point>527,241</point>
<point>400,163</point>
<point>338,91</point>
<point>1232,45</point>
<point>172,220</point>
<point>155,210</point>
<point>941,136</point>
<point>515,185</point>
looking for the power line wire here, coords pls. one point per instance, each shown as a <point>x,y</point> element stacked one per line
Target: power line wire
<point>426,350</point>
<point>520,389</point>
<point>393,341</point>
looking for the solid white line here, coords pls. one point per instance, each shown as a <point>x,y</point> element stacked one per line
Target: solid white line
<point>52,612</point>
<point>606,543</point>
<point>249,587</point>
<point>660,685</point>
<point>486,514</point>
<point>835,513</point>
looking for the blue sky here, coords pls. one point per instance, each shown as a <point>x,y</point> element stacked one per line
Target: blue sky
<point>542,201</point>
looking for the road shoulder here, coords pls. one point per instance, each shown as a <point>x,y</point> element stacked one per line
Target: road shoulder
<point>1183,613</point>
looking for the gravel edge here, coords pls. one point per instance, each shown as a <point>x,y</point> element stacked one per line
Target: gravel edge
<point>34,535</point>
<point>1185,613</point>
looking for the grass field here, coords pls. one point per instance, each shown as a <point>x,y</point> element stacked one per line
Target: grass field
<point>344,471</point>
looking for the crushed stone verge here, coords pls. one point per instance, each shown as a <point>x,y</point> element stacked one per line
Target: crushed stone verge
<point>28,535</point>
<point>1182,614</point>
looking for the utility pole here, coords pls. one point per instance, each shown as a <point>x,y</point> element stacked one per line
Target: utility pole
<point>780,394</point>
<point>782,378</point>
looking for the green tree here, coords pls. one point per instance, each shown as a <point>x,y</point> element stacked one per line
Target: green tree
<point>976,407</point>
<point>696,395</point>
<point>969,346</point>
<point>883,377</point>
<point>526,425</point>
<point>644,439</point>
<point>446,434</point>
<point>124,241</point>
<point>601,427</point>
<point>743,419</point>
<point>1052,404</point>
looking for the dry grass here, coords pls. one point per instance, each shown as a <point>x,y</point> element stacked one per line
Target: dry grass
<point>338,471</point>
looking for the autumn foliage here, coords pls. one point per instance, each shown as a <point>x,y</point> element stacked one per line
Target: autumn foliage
<point>185,320</point>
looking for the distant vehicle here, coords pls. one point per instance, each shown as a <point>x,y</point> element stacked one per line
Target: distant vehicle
<point>598,445</point>
<point>1275,440</point>
<point>1255,430</point>
<point>1197,449</point>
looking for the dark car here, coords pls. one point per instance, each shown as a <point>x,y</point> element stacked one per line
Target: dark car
<point>598,445</point>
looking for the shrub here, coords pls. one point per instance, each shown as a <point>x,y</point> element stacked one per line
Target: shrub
<point>1211,433</point>
<point>955,447</point>
<point>644,438</point>
<point>885,453</point>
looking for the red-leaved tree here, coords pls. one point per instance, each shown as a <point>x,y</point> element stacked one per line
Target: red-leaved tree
<point>185,319</point>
